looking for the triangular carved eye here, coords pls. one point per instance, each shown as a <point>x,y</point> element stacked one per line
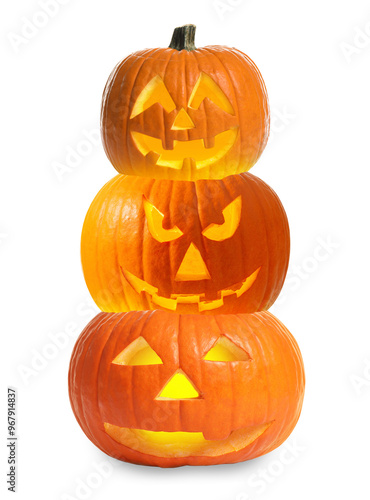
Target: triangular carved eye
<point>224,350</point>
<point>155,91</point>
<point>232,215</point>
<point>207,87</point>
<point>138,353</point>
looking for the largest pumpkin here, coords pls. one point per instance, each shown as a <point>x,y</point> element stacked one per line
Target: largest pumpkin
<point>185,113</point>
<point>204,247</point>
<point>160,389</point>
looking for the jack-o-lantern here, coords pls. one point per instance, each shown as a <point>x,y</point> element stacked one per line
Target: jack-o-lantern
<point>185,113</point>
<point>163,389</point>
<point>208,247</point>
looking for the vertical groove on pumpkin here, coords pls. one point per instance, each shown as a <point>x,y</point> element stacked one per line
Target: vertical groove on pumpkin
<point>205,134</point>
<point>122,125</point>
<point>171,248</point>
<point>142,320</point>
<point>219,320</point>
<point>297,382</point>
<point>233,191</point>
<point>263,327</point>
<point>296,357</point>
<point>89,372</point>
<point>128,325</point>
<point>233,85</point>
<point>280,278</point>
<point>262,105</point>
<point>134,85</point>
<point>74,373</point>
<point>257,190</point>
<point>103,207</point>
<point>178,401</point>
<point>123,300</point>
<point>185,89</point>
<point>202,368</point>
<point>283,333</point>
<point>104,109</point>
<point>142,235</point>
<point>257,338</point>
<point>165,141</point>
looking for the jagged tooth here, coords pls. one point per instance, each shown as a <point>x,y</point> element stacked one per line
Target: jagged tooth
<point>186,299</point>
<point>227,292</point>
<point>209,142</point>
<point>169,144</point>
<point>164,302</point>
<point>153,157</point>
<point>208,306</point>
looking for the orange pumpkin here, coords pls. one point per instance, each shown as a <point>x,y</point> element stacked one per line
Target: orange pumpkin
<point>209,247</point>
<point>185,113</point>
<point>161,389</point>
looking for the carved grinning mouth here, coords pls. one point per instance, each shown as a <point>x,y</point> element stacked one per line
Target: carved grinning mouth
<point>196,150</point>
<point>183,444</point>
<point>172,302</point>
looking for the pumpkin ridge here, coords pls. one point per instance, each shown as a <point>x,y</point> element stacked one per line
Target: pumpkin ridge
<point>270,345</point>
<point>141,67</point>
<point>101,323</point>
<point>232,86</point>
<point>121,94</point>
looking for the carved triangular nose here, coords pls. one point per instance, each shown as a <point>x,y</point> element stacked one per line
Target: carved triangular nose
<point>179,387</point>
<point>192,267</point>
<point>182,121</point>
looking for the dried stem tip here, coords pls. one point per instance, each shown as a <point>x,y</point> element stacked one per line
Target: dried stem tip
<point>183,38</point>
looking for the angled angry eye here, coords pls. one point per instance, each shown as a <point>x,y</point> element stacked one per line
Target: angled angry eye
<point>155,224</point>
<point>138,353</point>
<point>155,91</point>
<point>231,213</point>
<point>207,87</point>
<point>224,350</point>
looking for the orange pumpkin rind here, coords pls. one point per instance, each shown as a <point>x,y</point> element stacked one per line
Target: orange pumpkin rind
<point>183,113</point>
<point>238,406</point>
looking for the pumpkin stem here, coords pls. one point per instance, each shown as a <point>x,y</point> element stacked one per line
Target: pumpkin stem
<point>183,38</point>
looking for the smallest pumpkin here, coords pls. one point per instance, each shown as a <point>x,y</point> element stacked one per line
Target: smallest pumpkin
<point>184,113</point>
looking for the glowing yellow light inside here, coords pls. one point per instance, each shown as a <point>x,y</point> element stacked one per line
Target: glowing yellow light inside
<point>155,224</point>
<point>182,121</point>
<point>140,286</point>
<point>178,387</point>
<point>225,350</point>
<point>168,438</point>
<point>182,444</point>
<point>231,214</point>
<point>194,149</point>
<point>207,87</point>
<point>138,353</point>
<point>155,91</point>
<point>192,267</point>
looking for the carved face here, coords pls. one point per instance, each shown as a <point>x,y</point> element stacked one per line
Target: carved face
<point>205,247</point>
<point>202,393</point>
<point>198,153</point>
<point>187,117</point>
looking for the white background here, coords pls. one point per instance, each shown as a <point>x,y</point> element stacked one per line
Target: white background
<point>316,66</point>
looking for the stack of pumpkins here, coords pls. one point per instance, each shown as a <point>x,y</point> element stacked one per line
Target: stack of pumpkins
<point>185,254</point>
